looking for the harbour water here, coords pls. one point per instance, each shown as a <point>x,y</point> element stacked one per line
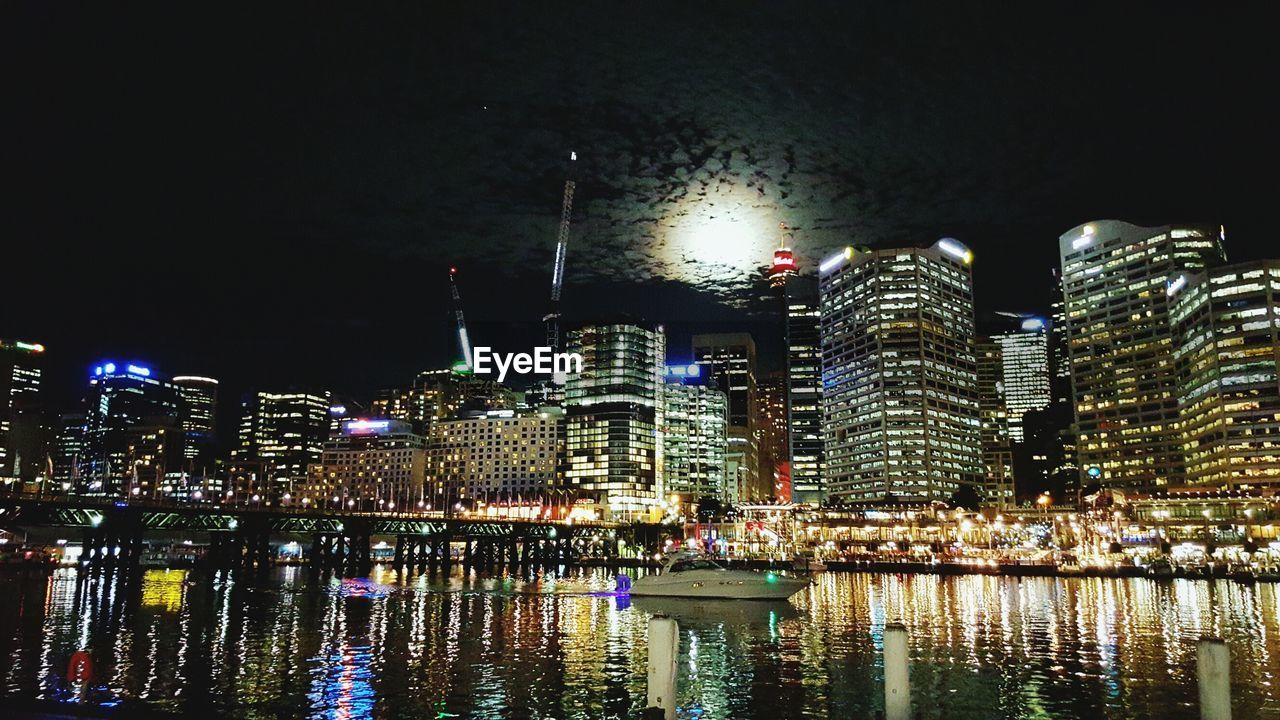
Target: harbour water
<point>290,645</point>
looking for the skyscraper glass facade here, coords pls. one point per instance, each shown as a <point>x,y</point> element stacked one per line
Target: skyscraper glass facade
<point>997,449</point>
<point>899,376</point>
<point>1116,281</point>
<point>613,411</point>
<point>804,390</point>
<point>1227,345</point>
<point>694,441</point>
<point>729,360</point>
<point>1024,371</point>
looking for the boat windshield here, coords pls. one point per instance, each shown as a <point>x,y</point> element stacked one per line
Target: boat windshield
<point>682,565</point>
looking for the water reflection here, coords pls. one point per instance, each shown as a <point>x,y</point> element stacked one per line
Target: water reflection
<point>412,646</point>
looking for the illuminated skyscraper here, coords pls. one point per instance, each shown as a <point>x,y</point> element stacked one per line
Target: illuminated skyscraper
<point>197,410</point>
<point>281,433</point>
<point>613,410</point>
<point>729,361</point>
<point>68,448</point>
<point>900,395</point>
<point>1045,458</point>
<point>22,456</point>
<point>695,436</point>
<point>1227,344</point>
<point>804,390</point>
<point>1116,279</point>
<point>132,435</point>
<point>771,435</point>
<point>997,449</point>
<point>1024,370</point>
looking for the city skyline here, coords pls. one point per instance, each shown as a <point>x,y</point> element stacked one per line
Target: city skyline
<point>666,360</point>
<point>908,148</point>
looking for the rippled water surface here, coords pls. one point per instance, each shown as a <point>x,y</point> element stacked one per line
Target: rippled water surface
<point>392,646</point>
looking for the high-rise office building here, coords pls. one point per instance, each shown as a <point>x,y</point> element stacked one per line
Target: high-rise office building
<point>197,413</point>
<point>1115,279</point>
<point>1059,354</point>
<point>496,454</point>
<point>1045,458</point>
<point>613,411</point>
<point>281,434</point>
<point>132,435</point>
<point>695,436</point>
<point>22,456</point>
<point>804,390</point>
<point>1227,345</point>
<point>68,448</point>
<point>997,448</point>
<point>729,361</point>
<point>771,436</point>
<point>374,464</point>
<point>1024,370</point>
<point>900,395</point>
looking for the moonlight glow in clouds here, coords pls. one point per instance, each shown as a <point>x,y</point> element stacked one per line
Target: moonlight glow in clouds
<point>726,231</point>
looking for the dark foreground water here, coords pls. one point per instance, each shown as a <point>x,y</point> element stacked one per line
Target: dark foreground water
<point>290,646</point>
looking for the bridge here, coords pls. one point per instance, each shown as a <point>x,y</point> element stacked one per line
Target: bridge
<point>240,536</point>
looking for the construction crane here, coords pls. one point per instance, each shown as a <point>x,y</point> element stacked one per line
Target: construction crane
<point>463,338</point>
<point>552,318</point>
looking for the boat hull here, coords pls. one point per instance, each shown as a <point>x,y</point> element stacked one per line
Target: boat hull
<point>720,584</point>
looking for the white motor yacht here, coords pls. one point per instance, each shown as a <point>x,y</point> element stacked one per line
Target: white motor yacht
<point>700,577</point>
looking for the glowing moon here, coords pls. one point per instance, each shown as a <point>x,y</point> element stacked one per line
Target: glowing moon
<point>717,234</point>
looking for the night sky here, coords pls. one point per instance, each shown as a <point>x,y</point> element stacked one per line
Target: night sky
<point>274,197</point>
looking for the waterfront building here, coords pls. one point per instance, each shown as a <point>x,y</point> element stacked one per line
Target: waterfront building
<point>1212,519</point>
<point>695,436</point>
<point>374,464</point>
<point>1116,279</point>
<point>22,456</point>
<point>494,454</point>
<point>1226,323</point>
<point>280,435</point>
<point>729,360</point>
<point>900,397</point>
<point>126,408</point>
<point>197,412</point>
<point>804,390</point>
<point>613,410</point>
<point>997,448</point>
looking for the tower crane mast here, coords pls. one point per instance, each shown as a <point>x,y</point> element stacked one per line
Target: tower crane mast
<point>552,318</point>
<point>463,339</point>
